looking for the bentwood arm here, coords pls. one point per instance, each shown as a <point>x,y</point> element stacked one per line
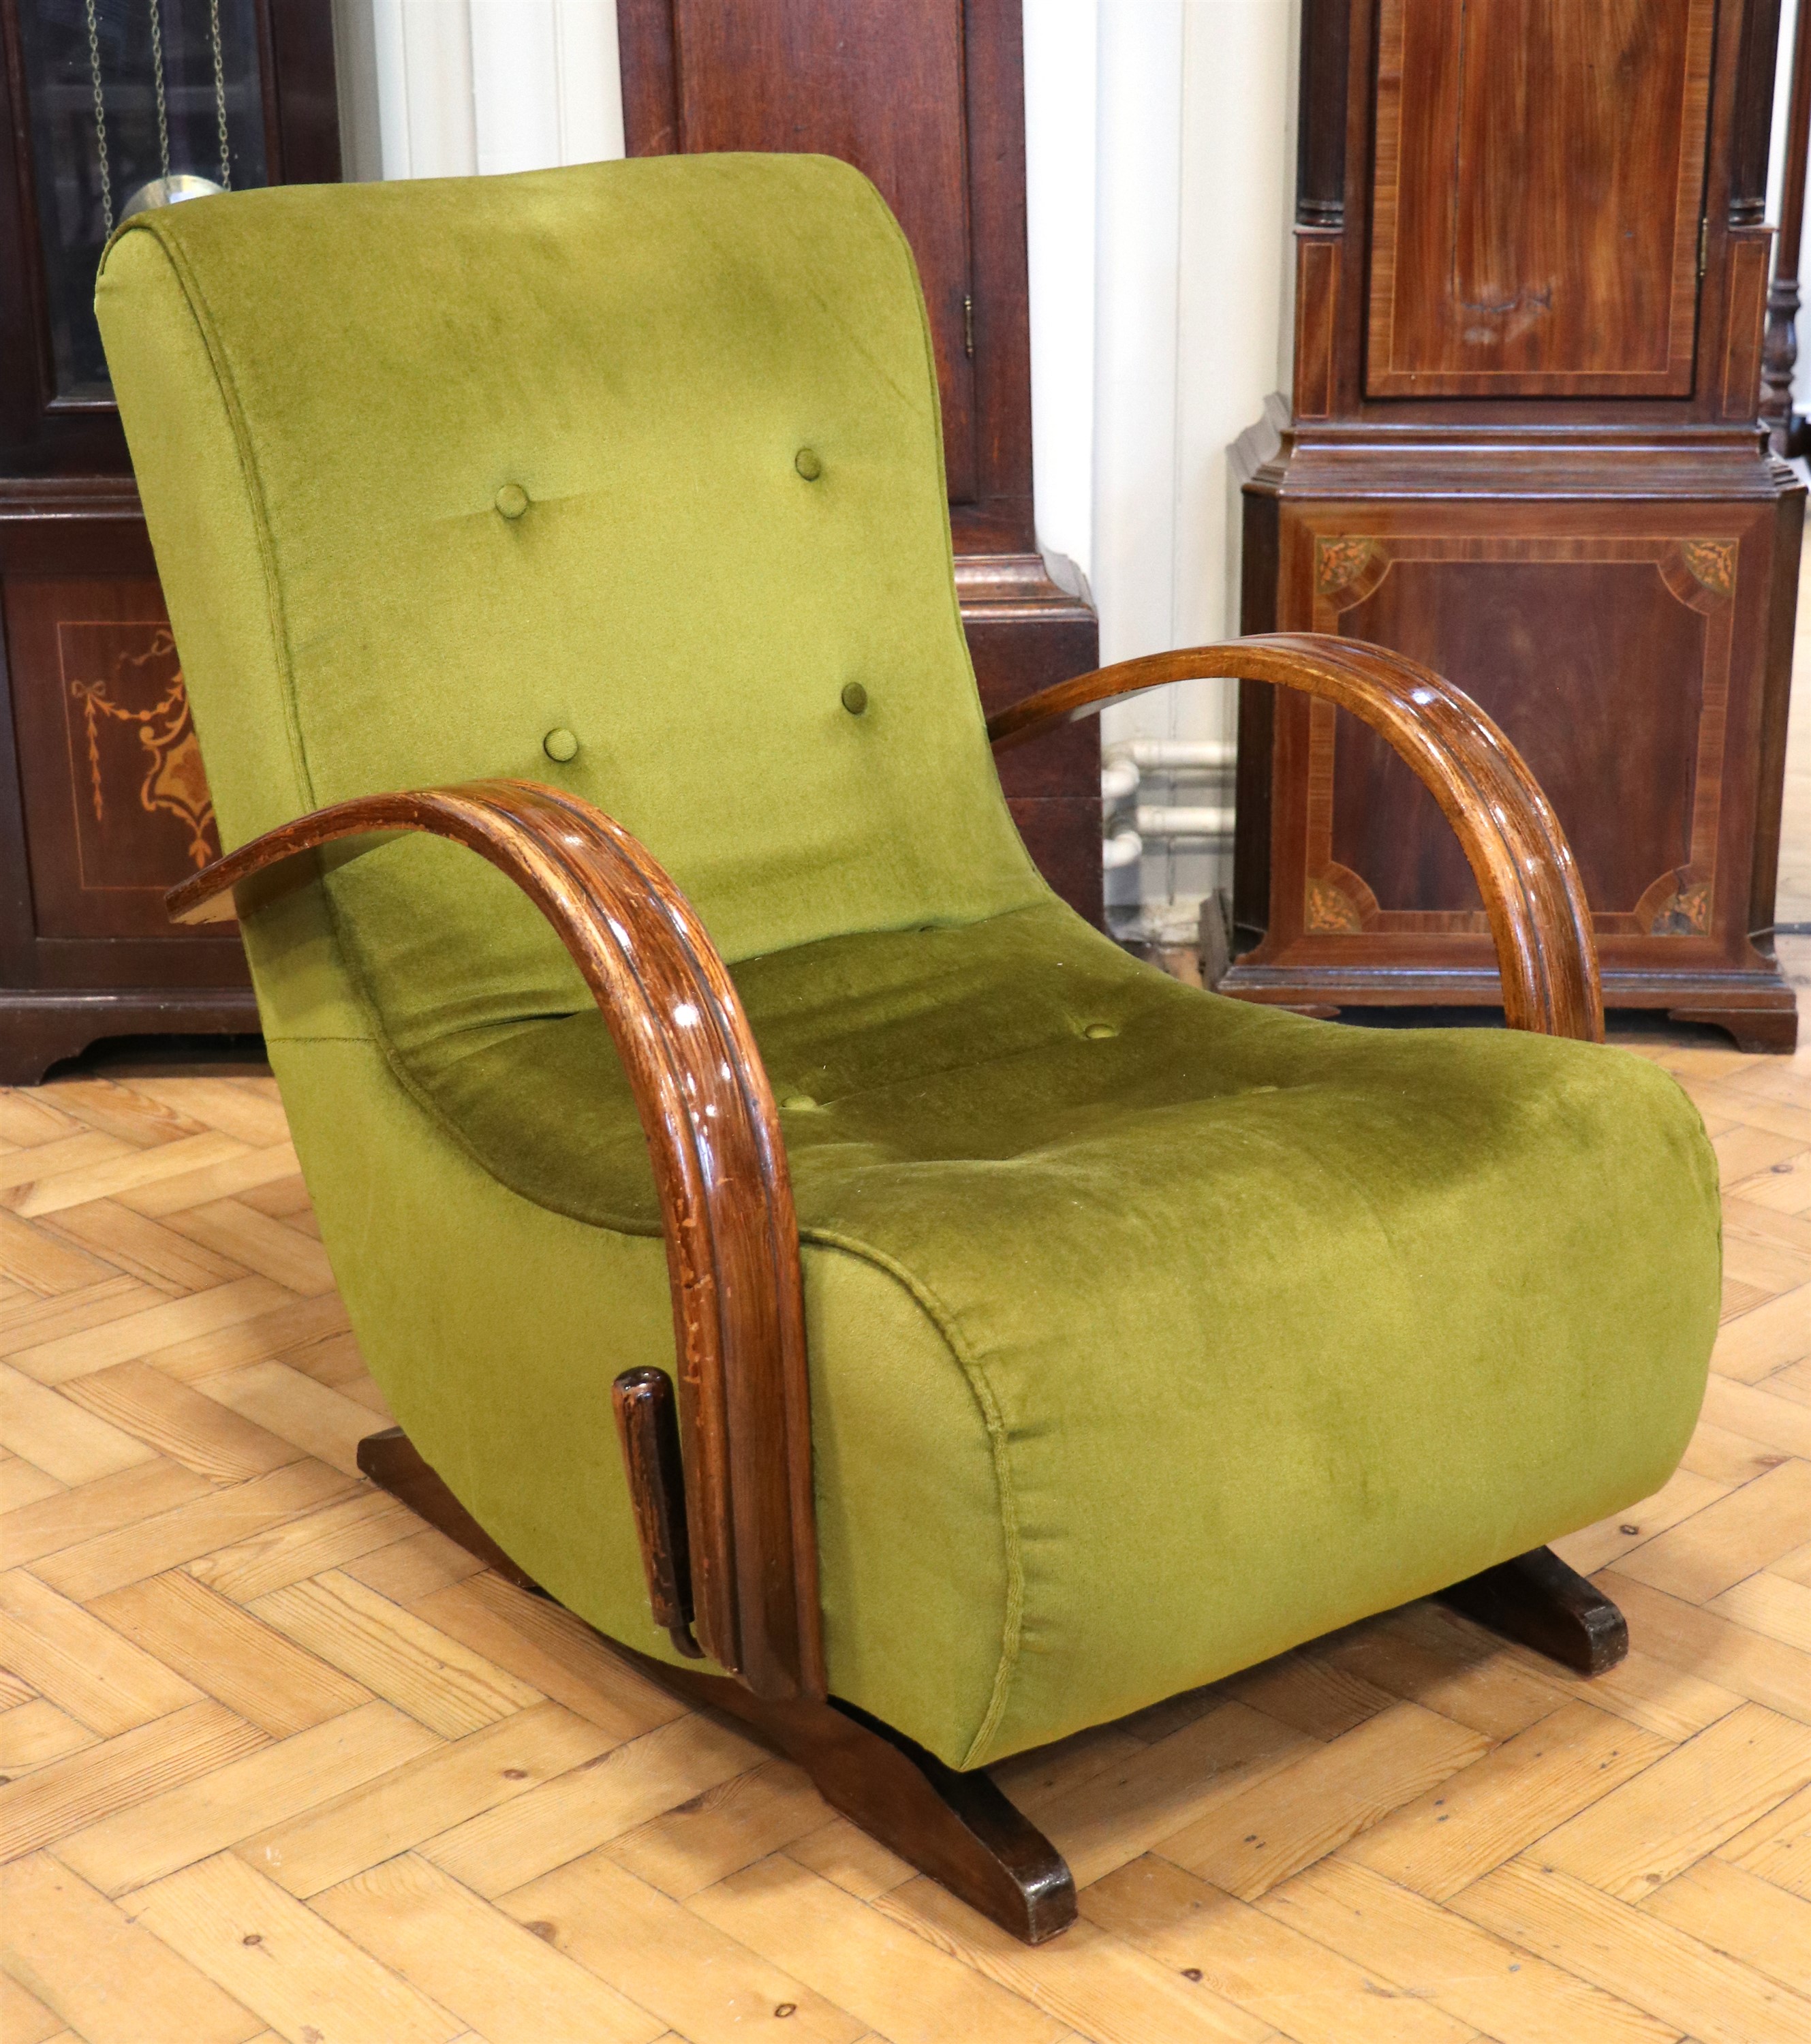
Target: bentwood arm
<point>1524,866</point>
<point>726,1199</point>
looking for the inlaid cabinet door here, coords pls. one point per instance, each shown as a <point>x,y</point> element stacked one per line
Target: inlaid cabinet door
<point>1623,664</point>
<point>1538,186</point>
<point>116,805</point>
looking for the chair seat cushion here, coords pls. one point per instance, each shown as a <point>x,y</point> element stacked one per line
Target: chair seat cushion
<point>1261,1323</point>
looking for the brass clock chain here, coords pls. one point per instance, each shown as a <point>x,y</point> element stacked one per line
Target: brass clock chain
<point>219,94</point>
<point>168,187</point>
<point>100,120</point>
<point>157,86</point>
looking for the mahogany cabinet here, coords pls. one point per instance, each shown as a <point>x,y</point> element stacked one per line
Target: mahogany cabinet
<point>1525,449</point>
<point>927,98</point>
<point>103,804</point>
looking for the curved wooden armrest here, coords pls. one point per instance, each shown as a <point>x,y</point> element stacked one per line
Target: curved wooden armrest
<point>725,1196</point>
<point>1524,866</point>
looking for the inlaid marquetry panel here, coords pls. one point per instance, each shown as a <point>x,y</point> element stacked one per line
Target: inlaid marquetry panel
<point>117,802</point>
<point>1607,660</point>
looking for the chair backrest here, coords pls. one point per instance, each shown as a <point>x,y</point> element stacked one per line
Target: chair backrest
<point>644,452</point>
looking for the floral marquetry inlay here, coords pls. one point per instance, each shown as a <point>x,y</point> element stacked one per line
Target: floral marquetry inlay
<point>1341,561</point>
<point>1329,910</point>
<point>136,746</point>
<point>1712,562</point>
<point>1684,913</point>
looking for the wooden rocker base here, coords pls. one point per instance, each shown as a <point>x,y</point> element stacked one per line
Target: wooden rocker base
<point>1537,1600</point>
<point>960,1828</point>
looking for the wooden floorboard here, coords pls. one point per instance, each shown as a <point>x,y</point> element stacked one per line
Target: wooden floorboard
<point>279,1762</point>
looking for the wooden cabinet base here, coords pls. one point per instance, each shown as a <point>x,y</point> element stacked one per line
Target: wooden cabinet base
<point>38,1029</point>
<point>1757,1008</point>
<point>1623,612</point>
<point>960,1828</point>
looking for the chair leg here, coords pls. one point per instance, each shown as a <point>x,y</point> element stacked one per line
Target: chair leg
<point>958,1828</point>
<point>1537,1600</point>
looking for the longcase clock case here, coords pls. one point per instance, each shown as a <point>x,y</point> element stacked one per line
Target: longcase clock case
<point>1524,448</point>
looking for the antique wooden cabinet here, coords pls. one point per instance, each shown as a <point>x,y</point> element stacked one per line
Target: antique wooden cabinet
<point>103,804</point>
<point>1531,274</point>
<point>926,98</point>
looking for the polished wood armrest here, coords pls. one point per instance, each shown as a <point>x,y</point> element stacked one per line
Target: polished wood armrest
<point>726,1204</point>
<point>1524,866</point>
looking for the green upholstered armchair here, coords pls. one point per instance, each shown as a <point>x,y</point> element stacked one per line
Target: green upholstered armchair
<point>1048,1337</point>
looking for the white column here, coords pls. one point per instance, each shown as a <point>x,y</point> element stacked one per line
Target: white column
<point>479,85</point>
<point>1061,88</point>
<point>515,79</point>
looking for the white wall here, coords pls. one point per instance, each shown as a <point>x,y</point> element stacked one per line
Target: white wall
<point>446,88</point>
<point>1776,174</point>
<point>1159,275</point>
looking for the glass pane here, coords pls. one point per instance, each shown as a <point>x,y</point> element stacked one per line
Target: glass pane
<point>129,98</point>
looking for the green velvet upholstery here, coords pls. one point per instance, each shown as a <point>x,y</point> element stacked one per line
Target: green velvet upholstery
<point>1150,1333</point>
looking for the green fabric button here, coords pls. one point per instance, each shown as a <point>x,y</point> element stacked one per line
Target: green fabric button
<point>512,499</point>
<point>805,461</point>
<point>560,744</point>
<point>1098,1032</point>
<point>855,698</point>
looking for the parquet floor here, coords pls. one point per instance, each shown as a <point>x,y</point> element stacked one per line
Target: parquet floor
<point>281,1764</point>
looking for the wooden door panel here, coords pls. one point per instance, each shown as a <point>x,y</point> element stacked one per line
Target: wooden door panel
<point>1595,668</point>
<point>116,805</point>
<point>803,75</point>
<point>1538,186</point>
<point>1608,662</point>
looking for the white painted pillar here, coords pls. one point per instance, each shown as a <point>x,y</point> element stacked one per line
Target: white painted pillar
<point>446,88</point>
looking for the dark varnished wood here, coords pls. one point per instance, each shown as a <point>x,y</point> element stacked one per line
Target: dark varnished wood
<point>1539,1600</point>
<point>926,97</point>
<point>959,1828</point>
<point>648,1429</point>
<point>712,1133</point>
<point>1538,182</point>
<point>1029,625</point>
<point>1765,1026</point>
<point>1609,570</point>
<point>1512,842</point>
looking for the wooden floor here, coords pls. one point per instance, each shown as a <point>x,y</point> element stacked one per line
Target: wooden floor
<point>280,1763</point>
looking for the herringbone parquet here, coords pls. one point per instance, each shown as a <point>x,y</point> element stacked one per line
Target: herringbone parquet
<point>282,1763</point>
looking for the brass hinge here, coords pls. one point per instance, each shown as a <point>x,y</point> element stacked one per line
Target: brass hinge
<point>1703,242</point>
<point>968,327</point>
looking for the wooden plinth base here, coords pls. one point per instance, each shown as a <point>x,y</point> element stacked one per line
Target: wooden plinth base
<point>958,1828</point>
<point>37,1029</point>
<point>1758,1007</point>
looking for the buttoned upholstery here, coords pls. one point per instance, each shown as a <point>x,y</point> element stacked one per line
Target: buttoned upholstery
<point>1150,1333</point>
